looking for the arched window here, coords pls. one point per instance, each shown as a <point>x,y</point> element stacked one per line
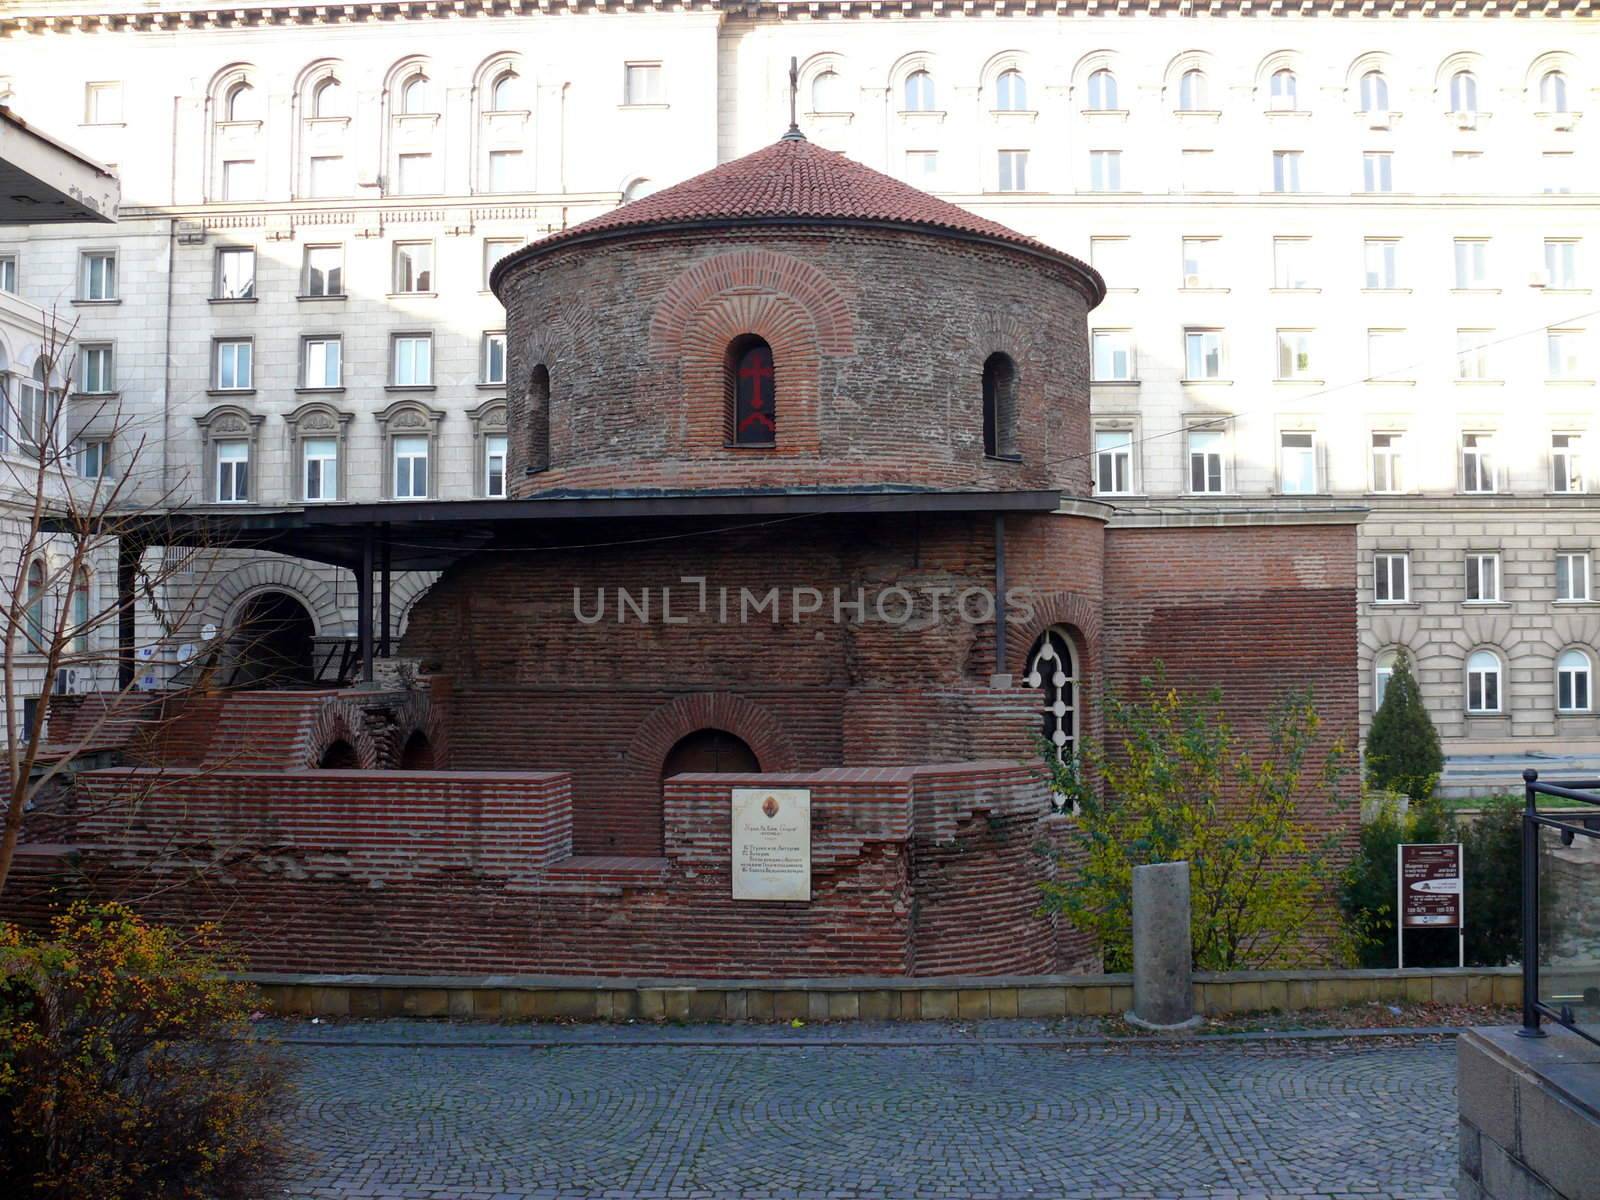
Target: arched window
<point>1102,90</point>
<point>1464,92</point>
<point>80,611</point>
<point>33,613</point>
<point>637,190</point>
<point>328,99</point>
<point>240,104</point>
<point>999,406</point>
<point>1382,672</point>
<point>827,92</point>
<point>1283,90</point>
<point>1011,91</point>
<point>752,389</point>
<point>1553,92</point>
<point>919,92</point>
<point>1483,682</point>
<point>1572,682</point>
<point>1374,92</point>
<point>416,96</point>
<point>31,405</point>
<point>1053,669</point>
<point>539,418</point>
<point>503,95</point>
<point>1192,92</point>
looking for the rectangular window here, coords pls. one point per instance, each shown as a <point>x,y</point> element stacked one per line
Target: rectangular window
<point>233,372</point>
<point>8,273</point>
<point>1200,258</point>
<point>1561,262</point>
<point>1294,354</point>
<point>1466,171</point>
<point>921,165</point>
<point>236,273</point>
<point>1297,462</point>
<point>1377,172</point>
<point>239,180</point>
<point>416,175</point>
<point>1205,461</point>
<point>1113,355</point>
<point>320,468</point>
<point>1382,256</point>
<point>1572,577</point>
<point>1478,466</point>
<point>326,176</point>
<point>1105,170</point>
<point>95,370</point>
<point>1388,461</point>
<point>641,83</point>
<point>494,466</point>
<point>413,267</point>
<point>413,359</point>
<point>1472,353</point>
<point>1113,462</point>
<point>233,472</point>
<point>505,170</point>
<point>99,275</point>
<point>410,468</point>
<point>321,357</point>
<point>1202,353</point>
<point>1472,262</point>
<point>103,103</point>
<point>94,459</point>
<point>1564,351</point>
<point>494,249</point>
<point>1386,354</point>
<point>494,358</point>
<point>1291,262</point>
<point>1113,258</point>
<point>1198,171</point>
<point>1483,578</point>
<point>1286,170</point>
<point>1566,462</point>
<point>324,273</point>
<point>1391,578</point>
<point>1013,170</point>
<point>1557,165</point>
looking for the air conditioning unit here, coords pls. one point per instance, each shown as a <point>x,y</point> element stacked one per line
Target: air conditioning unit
<point>71,680</point>
<point>1192,281</point>
<point>1466,120</point>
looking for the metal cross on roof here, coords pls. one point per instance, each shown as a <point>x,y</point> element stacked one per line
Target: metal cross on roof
<point>794,133</point>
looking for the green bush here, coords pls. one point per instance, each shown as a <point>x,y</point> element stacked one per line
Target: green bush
<point>126,1069</point>
<point>1403,753</point>
<point>1492,847</point>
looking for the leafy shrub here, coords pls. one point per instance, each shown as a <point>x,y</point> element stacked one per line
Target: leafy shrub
<point>126,1071</point>
<point>1403,753</point>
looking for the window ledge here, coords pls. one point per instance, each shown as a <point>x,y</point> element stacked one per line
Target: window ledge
<point>1394,291</point>
<point>1576,603</point>
<point>1481,382</point>
<point>1208,382</point>
<point>625,106</point>
<point>96,303</point>
<point>231,392</point>
<point>492,387</point>
<point>1569,383</point>
<point>1121,496</point>
<point>102,124</point>
<point>1566,291</point>
<point>1386,605</point>
<point>749,445</point>
<point>1485,604</point>
<point>1205,291</point>
<point>1394,382</point>
<point>1301,381</point>
<point>318,391</point>
<point>1474,291</point>
<point>410,387</point>
<point>413,295</point>
<point>1568,496</point>
<point>1114,383</point>
<point>231,300</point>
<point>339,296</point>
<point>1486,716</point>
<point>101,397</point>
<point>1003,458</point>
<point>1289,291</point>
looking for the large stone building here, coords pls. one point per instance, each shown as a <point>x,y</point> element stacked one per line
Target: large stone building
<point>1345,251</point>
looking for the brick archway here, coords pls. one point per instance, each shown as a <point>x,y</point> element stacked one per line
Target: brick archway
<point>417,717</point>
<point>752,724</point>
<point>340,721</point>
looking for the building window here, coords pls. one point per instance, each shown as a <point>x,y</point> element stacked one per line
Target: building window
<point>239,179</point>
<point>1558,172</point>
<point>1466,171</point>
<point>1483,579</point>
<point>1053,669</point>
<point>1391,578</point>
<point>410,468</point>
<point>1560,263</point>
<point>751,389</point>
<point>1200,262</point>
<point>326,176</point>
<point>919,92</point>
<point>494,249</point>
<point>416,175</point>
<point>1202,353</point>
<point>8,273</point>
<point>1382,672</point>
<point>503,93</point>
<point>37,403</point>
<point>95,373</point>
<point>1483,682</point>
<point>103,104</point>
<point>1564,351</point>
<point>1472,353</point>
<point>416,97</point>
<point>1382,257</point>
<point>1102,91</point>
<point>1472,262</point>
<point>1291,262</point>
<point>319,465</point>
<point>234,365</point>
<point>1553,92</point>
<point>320,362</point>
<point>827,93</point>
<point>494,466</point>
<point>1286,170</point>
<point>1112,257</point>
<point>1566,462</point>
<point>78,611</point>
<point>999,406</point>
<point>1377,171</point>
<point>641,83</point>
<point>1387,462</point>
<point>236,273</point>
<point>240,104</point>
<point>1193,95</point>
<point>1572,576</point>
<point>1198,171</point>
<point>99,281</point>
<point>1374,93</point>
<point>94,459</point>
<point>1294,354</point>
<point>1113,355</point>
<point>922,165</point>
<point>1113,462</point>
<point>1386,354</point>
<point>1011,92</point>
<point>413,267</point>
<point>1297,462</point>
<point>539,418</point>
<point>1463,92</point>
<point>494,358</point>
<point>1206,473</point>
<point>505,170</point>
<point>324,271</point>
<point>233,472</point>
<point>1572,682</point>
<point>412,359</point>
<point>33,612</point>
<point>1283,91</point>
<point>328,99</point>
<point>1478,466</point>
<point>1013,171</point>
<point>1105,170</point>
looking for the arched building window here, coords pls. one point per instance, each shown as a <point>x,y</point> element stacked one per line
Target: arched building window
<point>416,96</point>
<point>240,104</point>
<point>827,92</point>
<point>1553,92</point>
<point>752,387</point>
<point>33,612</point>
<point>1102,91</point>
<point>1464,92</point>
<point>1374,92</point>
<point>1382,672</point>
<point>999,406</point>
<point>1011,91</point>
<point>539,418</point>
<point>327,99</point>
<point>79,611</point>
<point>1483,682</point>
<point>32,407</point>
<point>919,92</point>
<point>1193,95</point>
<point>1573,673</point>
<point>1284,89</point>
<point>503,94</point>
<point>1053,670</point>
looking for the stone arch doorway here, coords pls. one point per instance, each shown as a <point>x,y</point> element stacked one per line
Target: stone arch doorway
<point>272,642</point>
<point>713,750</point>
<point>340,756</point>
<point>417,753</point>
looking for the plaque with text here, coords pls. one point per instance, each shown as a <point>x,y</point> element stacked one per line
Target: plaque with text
<point>1430,886</point>
<point>772,843</point>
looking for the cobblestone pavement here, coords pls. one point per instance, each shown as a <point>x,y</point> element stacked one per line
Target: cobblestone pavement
<point>489,1115</point>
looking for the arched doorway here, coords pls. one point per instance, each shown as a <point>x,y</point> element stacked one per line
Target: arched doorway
<point>272,643</point>
<point>340,756</point>
<point>705,750</point>
<point>417,753</point>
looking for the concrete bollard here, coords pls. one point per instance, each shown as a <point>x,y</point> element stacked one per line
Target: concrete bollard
<point>1163,990</point>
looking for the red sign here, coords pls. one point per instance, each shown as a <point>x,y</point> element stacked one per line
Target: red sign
<point>1430,886</point>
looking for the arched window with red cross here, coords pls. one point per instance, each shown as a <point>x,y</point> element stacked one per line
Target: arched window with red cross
<point>753,392</point>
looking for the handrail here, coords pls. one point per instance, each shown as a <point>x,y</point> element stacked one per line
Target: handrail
<point>1585,791</point>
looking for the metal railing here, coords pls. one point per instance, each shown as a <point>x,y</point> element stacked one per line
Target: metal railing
<point>1561,908</point>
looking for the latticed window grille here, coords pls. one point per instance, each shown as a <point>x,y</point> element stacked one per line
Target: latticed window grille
<point>1053,669</point>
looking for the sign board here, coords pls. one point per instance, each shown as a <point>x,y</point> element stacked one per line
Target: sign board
<point>772,843</point>
<point>1429,883</point>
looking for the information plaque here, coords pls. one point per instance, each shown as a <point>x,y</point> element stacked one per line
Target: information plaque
<point>772,844</point>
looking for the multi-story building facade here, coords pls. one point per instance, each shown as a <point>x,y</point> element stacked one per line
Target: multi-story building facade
<point>1350,259</point>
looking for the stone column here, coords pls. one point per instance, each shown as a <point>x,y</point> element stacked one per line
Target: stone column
<point>1163,995</point>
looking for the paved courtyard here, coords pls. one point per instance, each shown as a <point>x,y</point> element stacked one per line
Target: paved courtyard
<point>471,1113</point>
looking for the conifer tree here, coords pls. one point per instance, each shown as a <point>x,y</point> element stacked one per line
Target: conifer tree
<point>1403,753</point>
